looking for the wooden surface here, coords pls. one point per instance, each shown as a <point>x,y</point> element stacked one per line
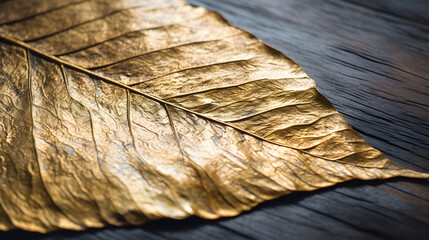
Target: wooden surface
<point>371,60</point>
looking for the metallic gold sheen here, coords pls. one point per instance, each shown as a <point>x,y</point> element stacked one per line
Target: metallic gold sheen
<point>116,112</point>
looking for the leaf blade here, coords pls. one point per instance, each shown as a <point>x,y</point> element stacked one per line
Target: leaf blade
<point>177,157</point>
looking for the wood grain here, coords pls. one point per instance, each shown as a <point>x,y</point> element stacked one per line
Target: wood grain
<point>369,58</point>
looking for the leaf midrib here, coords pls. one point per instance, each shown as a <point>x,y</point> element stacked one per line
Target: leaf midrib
<point>159,100</point>
<point>109,80</point>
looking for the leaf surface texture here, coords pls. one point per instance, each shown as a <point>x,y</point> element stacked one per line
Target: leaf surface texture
<point>120,112</point>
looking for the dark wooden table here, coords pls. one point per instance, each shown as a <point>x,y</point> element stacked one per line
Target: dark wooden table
<point>370,58</point>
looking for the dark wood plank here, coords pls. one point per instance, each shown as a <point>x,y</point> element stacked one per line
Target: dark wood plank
<point>370,59</point>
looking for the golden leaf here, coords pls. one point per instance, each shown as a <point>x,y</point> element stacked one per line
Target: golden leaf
<point>120,112</point>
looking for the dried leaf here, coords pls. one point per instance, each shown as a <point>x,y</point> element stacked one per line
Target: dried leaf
<point>120,112</point>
